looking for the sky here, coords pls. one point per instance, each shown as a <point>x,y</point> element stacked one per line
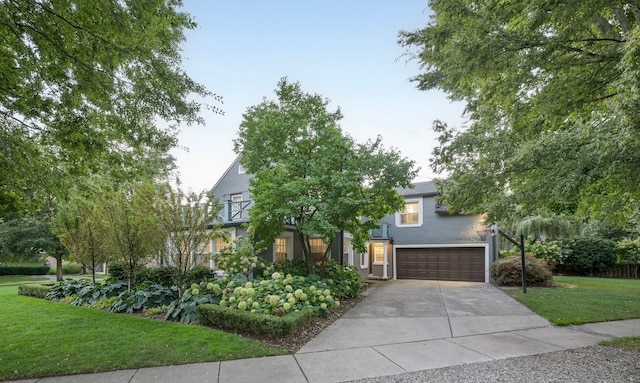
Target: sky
<point>346,51</point>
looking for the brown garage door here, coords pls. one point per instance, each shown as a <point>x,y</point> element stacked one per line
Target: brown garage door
<point>442,263</point>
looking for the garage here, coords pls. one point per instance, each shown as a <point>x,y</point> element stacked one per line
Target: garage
<point>441,263</point>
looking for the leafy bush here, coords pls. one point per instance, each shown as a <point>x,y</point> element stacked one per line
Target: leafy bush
<point>162,275</point>
<point>242,258</point>
<point>84,291</point>
<point>293,267</point>
<point>184,308</point>
<point>508,271</point>
<point>142,297</point>
<point>343,281</point>
<point>586,255</point>
<point>628,253</point>
<point>67,288</point>
<point>259,324</point>
<point>24,270</point>
<point>36,291</point>
<point>71,268</point>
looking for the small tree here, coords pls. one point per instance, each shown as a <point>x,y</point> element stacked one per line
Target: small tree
<point>188,222</point>
<point>134,232</point>
<point>77,223</point>
<point>308,173</point>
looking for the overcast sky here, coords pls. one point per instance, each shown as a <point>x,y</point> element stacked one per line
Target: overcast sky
<point>347,51</point>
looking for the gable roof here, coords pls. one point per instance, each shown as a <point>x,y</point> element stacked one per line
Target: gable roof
<point>426,188</point>
<point>225,173</point>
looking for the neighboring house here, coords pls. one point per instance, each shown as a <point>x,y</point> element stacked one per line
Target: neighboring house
<point>423,241</point>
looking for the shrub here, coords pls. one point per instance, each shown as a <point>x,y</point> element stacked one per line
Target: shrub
<point>67,288</point>
<point>508,271</point>
<point>184,308</point>
<point>628,253</point>
<point>343,281</point>
<point>36,291</point>
<point>24,270</point>
<point>254,323</point>
<point>242,258</point>
<point>142,297</point>
<point>84,291</point>
<point>71,268</point>
<point>586,255</point>
<point>293,267</point>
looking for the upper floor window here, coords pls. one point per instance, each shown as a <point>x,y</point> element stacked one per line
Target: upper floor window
<point>236,207</point>
<point>241,169</point>
<point>411,214</point>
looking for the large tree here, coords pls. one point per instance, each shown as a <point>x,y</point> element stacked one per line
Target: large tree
<point>30,239</point>
<point>98,86</point>
<point>309,173</point>
<point>552,92</point>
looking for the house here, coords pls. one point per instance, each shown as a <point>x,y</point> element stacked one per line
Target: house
<point>423,241</point>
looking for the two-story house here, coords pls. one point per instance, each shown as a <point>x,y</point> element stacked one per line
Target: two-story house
<point>423,241</point>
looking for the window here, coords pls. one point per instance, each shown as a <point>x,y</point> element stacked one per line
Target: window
<point>317,247</point>
<point>221,244</point>
<point>411,214</point>
<point>236,207</point>
<point>241,169</point>
<point>283,247</point>
<point>347,255</point>
<point>364,260</point>
<point>378,253</point>
<point>280,249</point>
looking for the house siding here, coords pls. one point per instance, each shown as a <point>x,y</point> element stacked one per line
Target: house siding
<point>436,228</point>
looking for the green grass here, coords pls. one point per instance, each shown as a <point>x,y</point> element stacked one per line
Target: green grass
<point>579,300</point>
<point>42,338</point>
<point>629,343</point>
<point>13,279</point>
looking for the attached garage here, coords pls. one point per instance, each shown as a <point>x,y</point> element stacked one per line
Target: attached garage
<point>447,263</point>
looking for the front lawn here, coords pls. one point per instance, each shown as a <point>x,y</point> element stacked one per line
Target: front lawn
<point>12,279</point>
<point>579,300</point>
<point>43,338</point>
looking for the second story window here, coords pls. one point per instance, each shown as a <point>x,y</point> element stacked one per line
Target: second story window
<point>236,207</point>
<point>411,214</point>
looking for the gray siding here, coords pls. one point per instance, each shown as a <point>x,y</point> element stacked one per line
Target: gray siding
<point>437,229</point>
<point>231,182</point>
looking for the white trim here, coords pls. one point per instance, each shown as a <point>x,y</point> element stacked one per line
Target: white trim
<point>420,213</point>
<point>486,254</point>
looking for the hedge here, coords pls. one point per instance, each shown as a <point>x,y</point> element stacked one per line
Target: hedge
<point>36,291</point>
<point>24,270</point>
<point>253,323</point>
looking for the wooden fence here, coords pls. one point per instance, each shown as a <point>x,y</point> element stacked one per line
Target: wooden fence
<point>620,271</point>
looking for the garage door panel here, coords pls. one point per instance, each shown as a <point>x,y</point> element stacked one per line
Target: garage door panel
<point>445,263</point>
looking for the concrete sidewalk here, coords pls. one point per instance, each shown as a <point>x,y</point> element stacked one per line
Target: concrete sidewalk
<point>402,326</point>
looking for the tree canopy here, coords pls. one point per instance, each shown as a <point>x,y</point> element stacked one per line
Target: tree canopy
<point>308,172</point>
<point>552,92</point>
<point>93,87</point>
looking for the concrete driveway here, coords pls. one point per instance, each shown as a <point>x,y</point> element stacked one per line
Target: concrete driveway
<point>408,325</point>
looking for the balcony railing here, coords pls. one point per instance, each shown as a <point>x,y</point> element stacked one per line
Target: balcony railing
<point>382,232</point>
<point>238,210</point>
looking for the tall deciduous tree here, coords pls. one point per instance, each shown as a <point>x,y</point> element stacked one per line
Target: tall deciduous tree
<point>552,92</point>
<point>308,172</point>
<point>97,85</point>
<point>30,239</point>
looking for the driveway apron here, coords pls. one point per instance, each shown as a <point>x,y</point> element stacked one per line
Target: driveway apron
<point>410,325</point>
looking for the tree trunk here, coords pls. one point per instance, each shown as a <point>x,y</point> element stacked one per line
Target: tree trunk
<point>58,267</point>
